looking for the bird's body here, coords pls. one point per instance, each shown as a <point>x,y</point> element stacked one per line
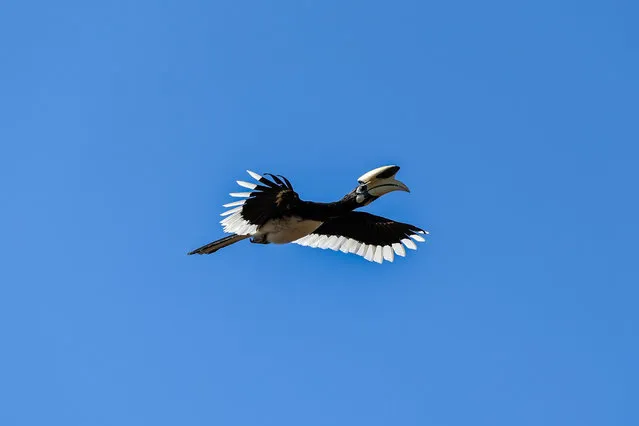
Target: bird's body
<point>273,213</point>
<point>287,229</point>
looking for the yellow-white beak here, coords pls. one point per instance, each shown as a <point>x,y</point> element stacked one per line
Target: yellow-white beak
<point>382,180</point>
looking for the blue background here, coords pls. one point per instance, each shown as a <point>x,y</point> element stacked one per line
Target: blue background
<point>125,124</point>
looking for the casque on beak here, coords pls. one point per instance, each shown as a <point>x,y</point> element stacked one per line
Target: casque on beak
<point>382,180</point>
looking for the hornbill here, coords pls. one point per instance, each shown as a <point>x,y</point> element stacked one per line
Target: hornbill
<point>272,212</point>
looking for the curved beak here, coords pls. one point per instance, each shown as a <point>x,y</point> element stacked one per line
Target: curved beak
<point>382,180</point>
<point>380,187</point>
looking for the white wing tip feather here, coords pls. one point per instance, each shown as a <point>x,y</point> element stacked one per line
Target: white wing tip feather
<point>388,253</point>
<point>398,248</point>
<point>378,257</point>
<point>254,175</point>
<point>234,203</point>
<point>372,253</point>
<point>409,244</point>
<point>228,212</point>
<point>240,194</point>
<point>246,184</point>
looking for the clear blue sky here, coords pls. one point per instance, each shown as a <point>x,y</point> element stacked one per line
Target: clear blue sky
<point>125,124</point>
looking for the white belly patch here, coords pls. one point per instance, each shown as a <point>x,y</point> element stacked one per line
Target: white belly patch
<point>288,229</point>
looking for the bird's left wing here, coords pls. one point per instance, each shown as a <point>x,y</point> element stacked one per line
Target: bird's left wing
<point>373,237</point>
<point>268,199</point>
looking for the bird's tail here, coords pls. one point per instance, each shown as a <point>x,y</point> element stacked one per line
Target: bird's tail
<point>216,245</point>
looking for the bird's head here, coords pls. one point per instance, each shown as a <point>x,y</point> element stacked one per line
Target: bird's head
<point>377,182</point>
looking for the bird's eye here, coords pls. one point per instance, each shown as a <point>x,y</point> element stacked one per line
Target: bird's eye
<point>361,188</point>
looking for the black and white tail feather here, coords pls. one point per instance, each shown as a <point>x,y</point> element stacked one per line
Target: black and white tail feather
<point>374,238</point>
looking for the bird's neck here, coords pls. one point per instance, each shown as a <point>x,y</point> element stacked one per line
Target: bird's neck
<point>324,211</point>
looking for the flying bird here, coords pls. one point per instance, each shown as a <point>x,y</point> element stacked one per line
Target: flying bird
<point>272,212</point>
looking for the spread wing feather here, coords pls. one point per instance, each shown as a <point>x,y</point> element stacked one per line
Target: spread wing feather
<point>267,200</point>
<point>375,238</point>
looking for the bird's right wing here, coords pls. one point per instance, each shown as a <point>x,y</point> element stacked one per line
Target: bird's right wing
<point>373,237</point>
<point>268,199</point>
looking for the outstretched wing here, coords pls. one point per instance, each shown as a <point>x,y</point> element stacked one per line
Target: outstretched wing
<point>267,200</point>
<point>373,237</point>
